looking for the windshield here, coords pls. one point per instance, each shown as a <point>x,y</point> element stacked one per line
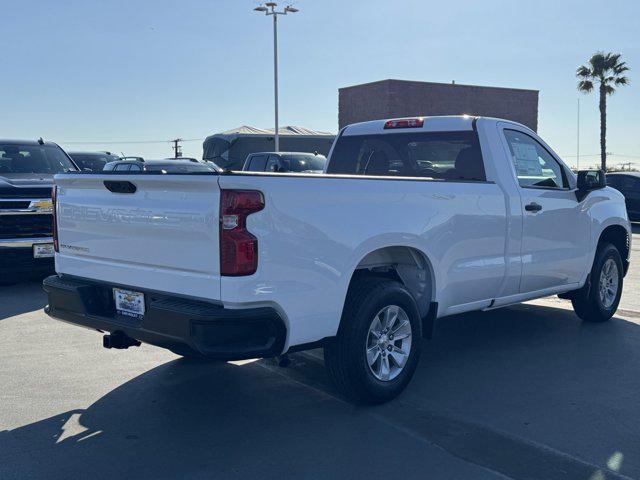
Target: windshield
<point>93,162</point>
<point>42,159</point>
<point>302,163</point>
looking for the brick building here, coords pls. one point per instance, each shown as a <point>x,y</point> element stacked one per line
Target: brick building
<point>401,98</point>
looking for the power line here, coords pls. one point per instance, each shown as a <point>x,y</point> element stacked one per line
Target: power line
<point>116,142</point>
<point>609,154</point>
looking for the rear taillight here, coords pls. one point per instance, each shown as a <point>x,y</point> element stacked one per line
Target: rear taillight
<point>238,247</point>
<point>54,195</point>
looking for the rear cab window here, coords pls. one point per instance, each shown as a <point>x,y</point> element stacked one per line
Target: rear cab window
<point>297,162</point>
<point>453,156</point>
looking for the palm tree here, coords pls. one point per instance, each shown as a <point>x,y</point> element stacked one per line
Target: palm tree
<point>606,70</point>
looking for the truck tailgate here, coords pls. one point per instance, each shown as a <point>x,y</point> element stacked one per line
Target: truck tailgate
<point>163,236</point>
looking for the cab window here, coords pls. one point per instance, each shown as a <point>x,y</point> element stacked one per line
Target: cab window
<point>257,163</point>
<point>535,166</point>
<point>438,155</point>
<point>272,164</point>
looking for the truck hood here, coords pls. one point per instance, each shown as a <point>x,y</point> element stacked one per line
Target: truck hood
<point>25,185</point>
<point>26,179</point>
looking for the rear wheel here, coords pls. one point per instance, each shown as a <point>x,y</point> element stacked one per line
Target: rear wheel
<point>602,299</point>
<point>377,348</point>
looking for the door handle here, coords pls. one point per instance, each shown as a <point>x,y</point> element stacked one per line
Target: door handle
<point>533,207</point>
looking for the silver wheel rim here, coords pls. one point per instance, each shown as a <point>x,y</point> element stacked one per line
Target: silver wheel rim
<point>608,284</point>
<point>388,343</point>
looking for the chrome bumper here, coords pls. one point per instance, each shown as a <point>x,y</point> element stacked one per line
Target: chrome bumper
<point>23,242</point>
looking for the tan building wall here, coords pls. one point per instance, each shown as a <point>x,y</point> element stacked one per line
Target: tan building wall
<point>401,98</point>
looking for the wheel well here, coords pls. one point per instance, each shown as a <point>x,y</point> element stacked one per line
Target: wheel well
<point>619,237</point>
<point>406,265</point>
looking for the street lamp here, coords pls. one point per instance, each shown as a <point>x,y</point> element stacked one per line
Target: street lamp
<point>269,8</point>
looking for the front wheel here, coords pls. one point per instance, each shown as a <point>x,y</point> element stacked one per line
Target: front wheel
<point>377,348</point>
<point>601,302</point>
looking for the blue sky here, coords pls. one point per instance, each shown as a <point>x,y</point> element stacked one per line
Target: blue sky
<point>152,70</point>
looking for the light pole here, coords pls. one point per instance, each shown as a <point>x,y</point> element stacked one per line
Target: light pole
<point>269,8</point>
<point>578,140</point>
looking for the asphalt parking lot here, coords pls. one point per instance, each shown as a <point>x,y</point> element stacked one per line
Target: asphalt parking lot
<point>526,392</point>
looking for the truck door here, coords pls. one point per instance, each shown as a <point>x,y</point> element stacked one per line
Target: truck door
<point>555,236</point>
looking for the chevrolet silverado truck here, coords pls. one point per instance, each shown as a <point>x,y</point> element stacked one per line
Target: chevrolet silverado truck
<point>413,220</point>
<point>26,177</point>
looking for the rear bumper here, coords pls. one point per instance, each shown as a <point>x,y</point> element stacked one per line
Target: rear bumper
<point>184,326</point>
<point>16,256</point>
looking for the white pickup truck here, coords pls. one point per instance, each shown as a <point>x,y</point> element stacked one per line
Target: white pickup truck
<point>413,220</point>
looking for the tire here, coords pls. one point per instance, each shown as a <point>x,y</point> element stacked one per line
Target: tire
<point>346,356</point>
<point>591,304</point>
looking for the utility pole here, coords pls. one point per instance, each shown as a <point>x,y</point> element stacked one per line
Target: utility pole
<point>269,8</point>
<point>177,149</point>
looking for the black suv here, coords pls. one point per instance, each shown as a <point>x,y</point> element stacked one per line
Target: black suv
<point>628,183</point>
<point>26,177</point>
<point>92,161</point>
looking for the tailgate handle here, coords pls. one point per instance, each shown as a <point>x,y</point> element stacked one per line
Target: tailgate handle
<point>119,186</point>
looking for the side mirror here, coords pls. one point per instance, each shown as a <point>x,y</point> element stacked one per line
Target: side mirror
<point>589,180</point>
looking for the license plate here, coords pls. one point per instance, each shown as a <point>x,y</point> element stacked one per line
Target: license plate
<point>43,250</point>
<point>129,303</point>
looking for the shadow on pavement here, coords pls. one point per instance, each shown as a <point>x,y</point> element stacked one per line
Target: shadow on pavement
<point>21,298</point>
<point>492,388</point>
<point>541,374</point>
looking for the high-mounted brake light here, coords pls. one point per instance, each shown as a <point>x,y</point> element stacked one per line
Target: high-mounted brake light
<point>54,196</point>
<point>238,247</point>
<point>404,123</point>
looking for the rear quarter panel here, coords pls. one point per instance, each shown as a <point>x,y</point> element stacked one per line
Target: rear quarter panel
<point>314,230</point>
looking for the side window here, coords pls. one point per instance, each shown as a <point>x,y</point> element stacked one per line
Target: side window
<point>258,163</point>
<point>613,181</point>
<point>135,168</point>
<point>535,167</point>
<point>272,164</point>
<point>630,184</point>
<point>122,167</point>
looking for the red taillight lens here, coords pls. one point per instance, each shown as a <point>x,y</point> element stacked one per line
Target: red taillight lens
<point>238,248</point>
<point>404,123</point>
<point>54,196</point>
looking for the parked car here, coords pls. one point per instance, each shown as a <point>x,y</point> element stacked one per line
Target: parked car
<point>92,161</point>
<point>158,166</point>
<point>285,162</point>
<point>416,219</point>
<point>628,183</point>
<point>27,168</point>
<point>190,159</point>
